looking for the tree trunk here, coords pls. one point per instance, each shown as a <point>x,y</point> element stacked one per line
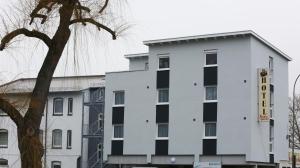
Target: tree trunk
<point>31,149</point>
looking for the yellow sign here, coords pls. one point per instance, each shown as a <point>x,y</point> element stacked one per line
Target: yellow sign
<point>263,95</point>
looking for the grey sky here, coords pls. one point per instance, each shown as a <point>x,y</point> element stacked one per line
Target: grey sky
<point>275,20</point>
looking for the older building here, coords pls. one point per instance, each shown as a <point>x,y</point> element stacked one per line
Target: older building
<point>71,131</point>
<point>209,101</point>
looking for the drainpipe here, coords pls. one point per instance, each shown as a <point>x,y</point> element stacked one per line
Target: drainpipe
<point>46,128</point>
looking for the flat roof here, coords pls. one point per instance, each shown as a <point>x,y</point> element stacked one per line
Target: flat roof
<point>136,55</point>
<point>216,36</point>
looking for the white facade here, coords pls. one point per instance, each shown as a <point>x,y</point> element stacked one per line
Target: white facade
<point>240,139</point>
<point>68,89</point>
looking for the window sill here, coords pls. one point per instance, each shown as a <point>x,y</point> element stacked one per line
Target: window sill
<point>119,105</point>
<point>69,147</point>
<point>56,147</point>
<point>163,103</point>
<point>210,101</point>
<point>117,139</point>
<point>3,146</point>
<point>59,114</point>
<point>212,65</point>
<point>212,137</point>
<point>162,138</point>
<point>71,114</point>
<point>163,69</point>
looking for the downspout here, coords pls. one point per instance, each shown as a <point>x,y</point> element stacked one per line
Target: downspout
<point>82,125</point>
<point>46,128</point>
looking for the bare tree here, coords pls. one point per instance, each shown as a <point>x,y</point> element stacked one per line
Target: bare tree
<point>296,120</point>
<point>40,16</point>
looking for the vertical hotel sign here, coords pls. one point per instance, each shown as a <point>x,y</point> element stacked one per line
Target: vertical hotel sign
<point>263,95</point>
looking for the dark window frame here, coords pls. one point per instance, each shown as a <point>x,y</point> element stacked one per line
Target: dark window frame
<point>4,131</point>
<point>70,106</point>
<point>159,63</point>
<point>54,105</point>
<point>69,139</point>
<point>3,114</point>
<point>115,96</point>
<point>56,146</point>
<point>55,162</point>
<point>3,162</point>
<point>215,55</point>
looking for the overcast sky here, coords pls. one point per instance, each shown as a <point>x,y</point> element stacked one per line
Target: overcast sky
<point>275,20</point>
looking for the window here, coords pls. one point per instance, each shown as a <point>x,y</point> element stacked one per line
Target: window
<point>119,98</point>
<point>146,66</point>
<point>163,95</point>
<point>162,130</point>
<point>3,138</point>
<point>271,69</point>
<point>3,162</point>
<point>100,120</point>
<point>2,113</point>
<point>210,130</point>
<point>118,132</point>
<point>211,93</point>
<point>164,63</point>
<point>41,136</point>
<point>58,104</point>
<point>56,138</point>
<point>70,106</point>
<point>99,150</point>
<point>55,164</point>
<point>69,139</point>
<point>211,59</point>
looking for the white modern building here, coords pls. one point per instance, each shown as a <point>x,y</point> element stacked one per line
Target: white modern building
<point>209,101</point>
<point>71,129</point>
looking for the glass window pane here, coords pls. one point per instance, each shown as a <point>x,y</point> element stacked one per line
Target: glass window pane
<point>210,129</point>
<point>2,113</point>
<point>58,105</point>
<point>56,164</point>
<point>119,98</point>
<point>69,139</point>
<point>3,162</point>
<point>211,93</point>
<point>70,106</point>
<point>163,95</point>
<point>163,130</point>
<point>57,138</point>
<point>118,131</point>
<point>211,59</point>
<point>3,138</point>
<point>164,62</point>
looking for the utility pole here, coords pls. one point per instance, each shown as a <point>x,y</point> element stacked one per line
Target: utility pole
<point>293,126</point>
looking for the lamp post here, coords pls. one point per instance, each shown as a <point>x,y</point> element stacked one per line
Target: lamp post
<point>293,127</point>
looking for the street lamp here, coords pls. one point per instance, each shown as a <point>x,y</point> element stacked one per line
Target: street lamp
<point>293,128</point>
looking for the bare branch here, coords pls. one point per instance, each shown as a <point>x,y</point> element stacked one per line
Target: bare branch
<point>11,111</point>
<point>99,25</point>
<point>34,33</point>
<point>104,6</point>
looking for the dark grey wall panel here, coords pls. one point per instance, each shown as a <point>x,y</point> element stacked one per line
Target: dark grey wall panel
<point>210,76</point>
<point>209,146</point>
<point>118,115</point>
<point>117,147</point>
<point>210,111</point>
<point>271,158</point>
<point>162,113</point>
<point>163,79</point>
<point>161,147</point>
